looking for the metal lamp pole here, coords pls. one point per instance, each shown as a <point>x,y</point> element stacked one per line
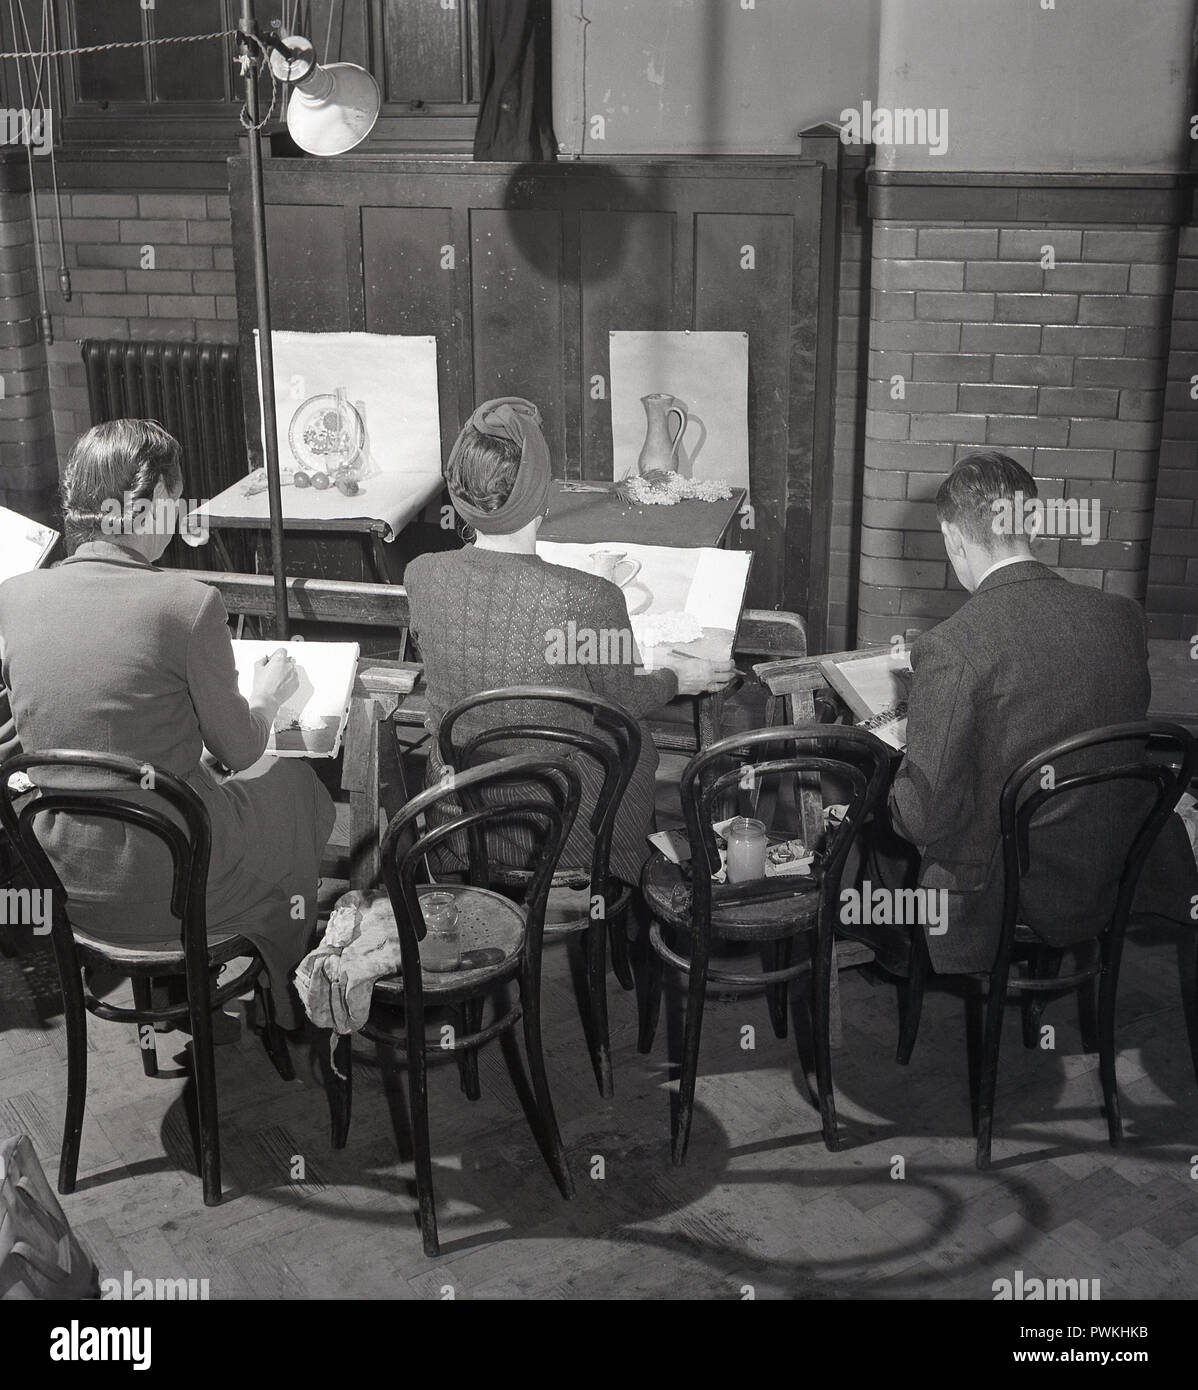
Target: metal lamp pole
<point>274,491</point>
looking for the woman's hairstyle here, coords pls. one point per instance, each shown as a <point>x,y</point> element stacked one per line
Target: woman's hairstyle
<point>112,465</point>
<point>968,496</point>
<point>482,470</point>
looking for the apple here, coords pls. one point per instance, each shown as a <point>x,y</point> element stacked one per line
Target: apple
<point>301,479</point>
<point>320,481</point>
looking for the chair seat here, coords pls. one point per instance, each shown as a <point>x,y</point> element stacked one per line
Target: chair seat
<point>569,909</point>
<point>166,955</point>
<point>492,935</point>
<point>669,897</point>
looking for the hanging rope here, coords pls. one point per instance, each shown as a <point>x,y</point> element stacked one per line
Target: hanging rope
<point>125,43</point>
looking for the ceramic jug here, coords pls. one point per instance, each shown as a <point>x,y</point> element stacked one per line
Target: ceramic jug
<point>659,453</point>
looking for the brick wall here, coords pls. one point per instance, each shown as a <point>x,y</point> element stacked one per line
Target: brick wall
<point>28,473</point>
<point>143,265</point>
<point>974,344</point>
<point>1173,562</point>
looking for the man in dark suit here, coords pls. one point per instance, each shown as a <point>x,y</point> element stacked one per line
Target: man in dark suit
<point>1028,660</point>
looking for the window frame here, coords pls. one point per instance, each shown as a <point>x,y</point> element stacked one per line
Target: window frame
<point>180,127</point>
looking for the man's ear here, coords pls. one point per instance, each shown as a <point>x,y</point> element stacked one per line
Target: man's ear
<point>954,540</point>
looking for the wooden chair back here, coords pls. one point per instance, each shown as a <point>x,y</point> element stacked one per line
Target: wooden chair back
<point>616,755</point>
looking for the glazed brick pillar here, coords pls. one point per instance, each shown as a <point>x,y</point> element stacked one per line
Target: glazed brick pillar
<point>28,463</point>
<point>976,344</point>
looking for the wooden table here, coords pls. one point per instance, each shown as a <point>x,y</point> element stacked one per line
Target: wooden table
<point>372,771</point>
<point>583,517</point>
<point>232,510</point>
<point>1173,667</point>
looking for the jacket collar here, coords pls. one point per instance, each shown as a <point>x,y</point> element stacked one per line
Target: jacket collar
<point>109,552</point>
<point>1015,574</point>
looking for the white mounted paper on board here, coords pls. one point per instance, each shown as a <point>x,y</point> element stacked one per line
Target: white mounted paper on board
<point>392,379</point>
<point>708,375</point>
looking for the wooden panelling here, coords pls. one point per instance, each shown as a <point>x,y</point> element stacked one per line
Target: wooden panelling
<point>627,270</point>
<point>423,49</point>
<point>309,283</point>
<point>743,274</point>
<point>548,259</point>
<point>409,286</point>
<point>516,276</point>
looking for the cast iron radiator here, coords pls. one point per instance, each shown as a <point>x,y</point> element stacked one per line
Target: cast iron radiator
<point>191,389</point>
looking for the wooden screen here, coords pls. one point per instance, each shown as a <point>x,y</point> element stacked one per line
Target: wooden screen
<point>520,272</point>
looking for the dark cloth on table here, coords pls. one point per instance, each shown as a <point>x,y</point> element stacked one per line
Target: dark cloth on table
<point>1030,659</point>
<point>483,620</point>
<point>107,653</point>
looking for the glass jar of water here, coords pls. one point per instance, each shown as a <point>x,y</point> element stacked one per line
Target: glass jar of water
<point>441,948</point>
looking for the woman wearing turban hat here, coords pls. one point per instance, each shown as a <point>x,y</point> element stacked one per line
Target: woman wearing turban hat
<point>483,617</point>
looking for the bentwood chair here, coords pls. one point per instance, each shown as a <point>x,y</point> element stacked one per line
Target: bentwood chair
<point>188,953</point>
<point>1164,757</point>
<point>690,910</point>
<point>500,942</point>
<point>609,750</point>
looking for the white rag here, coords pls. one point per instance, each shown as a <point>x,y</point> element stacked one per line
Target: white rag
<point>360,945</point>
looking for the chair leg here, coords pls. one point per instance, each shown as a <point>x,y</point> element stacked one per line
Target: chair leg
<point>651,1004</point>
<point>621,956</point>
<point>143,999</point>
<point>555,1151</point>
<point>996,1000</point>
<point>72,1130</point>
<point>696,999</point>
<point>777,957</point>
<point>1107,991</point>
<point>595,946</point>
<point>911,998</point>
<point>273,1041</point>
<point>1045,965</point>
<point>822,970</point>
<point>470,1019</point>
<point>204,1071</point>
<point>341,1088</point>
<point>421,1142</point>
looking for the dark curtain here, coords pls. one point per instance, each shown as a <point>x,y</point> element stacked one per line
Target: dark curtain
<point>515,117</point>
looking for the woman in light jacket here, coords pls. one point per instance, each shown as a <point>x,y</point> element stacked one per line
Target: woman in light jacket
<point>108,653</point>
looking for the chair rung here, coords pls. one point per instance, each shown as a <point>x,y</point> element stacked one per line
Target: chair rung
<point>463,1044</point>
<point>727,978</point>
<point>1056,984</point>
<point>169,1013</point>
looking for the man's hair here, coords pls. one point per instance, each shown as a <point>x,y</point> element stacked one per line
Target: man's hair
<point>121,461</point>
<point>483,471</point>
<point>967,497</point>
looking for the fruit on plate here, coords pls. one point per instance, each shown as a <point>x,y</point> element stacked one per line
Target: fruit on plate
<point>348,487</point>
<point>301,479</point>
<point>320,481</point>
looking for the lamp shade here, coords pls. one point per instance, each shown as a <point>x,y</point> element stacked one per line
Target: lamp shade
<point>333,108</point>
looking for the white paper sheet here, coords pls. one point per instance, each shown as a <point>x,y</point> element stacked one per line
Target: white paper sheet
<point>708,375</point>
<point>708,584</point>
<point>320,705</point>
<point>24,544</point>
<point>391,382</point>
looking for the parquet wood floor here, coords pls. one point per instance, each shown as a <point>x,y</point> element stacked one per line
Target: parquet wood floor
<point>761,1205</point>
